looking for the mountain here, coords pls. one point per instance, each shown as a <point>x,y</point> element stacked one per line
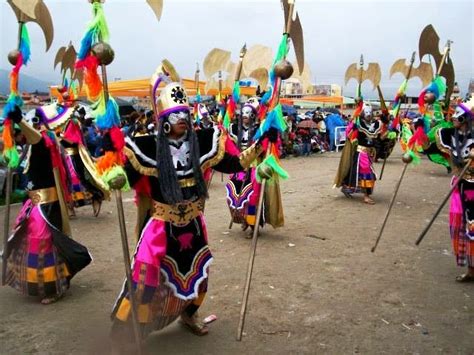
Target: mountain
<point>27,83</point>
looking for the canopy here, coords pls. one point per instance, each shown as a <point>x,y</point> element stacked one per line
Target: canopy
<point>314,101</point>
<point>141,88</point>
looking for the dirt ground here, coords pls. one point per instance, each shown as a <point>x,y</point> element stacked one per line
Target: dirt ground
<point>316,287</point>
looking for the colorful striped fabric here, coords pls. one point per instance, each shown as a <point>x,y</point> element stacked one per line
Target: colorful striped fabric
<point>34,267</point>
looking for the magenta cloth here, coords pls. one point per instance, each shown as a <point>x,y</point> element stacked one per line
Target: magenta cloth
<point>469,194</point>
<point>365,163</point>
<point>152,245</point>
<point>231,148</point>
<point>73,133</point>
<point>455,205</point>
<point>72,172</point>
<point>37,230</point>
<point>253,199</point>
<point>151,249</point>
<point>349,128</point>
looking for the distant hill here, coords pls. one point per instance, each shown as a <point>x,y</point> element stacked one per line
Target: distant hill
<point>27,83</point>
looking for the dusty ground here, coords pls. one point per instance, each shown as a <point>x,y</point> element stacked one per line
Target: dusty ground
<point>328,294</point>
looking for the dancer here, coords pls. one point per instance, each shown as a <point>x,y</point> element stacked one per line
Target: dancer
<point>458,144</point>
<point>356,173</point>
<point>171,262</point>
<point>42,257</point>
<point>242,189</point>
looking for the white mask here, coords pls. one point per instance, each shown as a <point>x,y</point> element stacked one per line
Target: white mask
<point>175,117</point>
<point>247,112</point>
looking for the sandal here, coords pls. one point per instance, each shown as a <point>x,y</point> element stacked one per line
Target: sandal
<point>193,325</point>
<point>369,201</point>
<point>49,300</point>
<point>465,278</point>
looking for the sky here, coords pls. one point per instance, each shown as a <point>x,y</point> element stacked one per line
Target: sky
<point>336,33</point>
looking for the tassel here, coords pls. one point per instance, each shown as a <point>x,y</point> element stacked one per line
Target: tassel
<point>113,173</point>
<point>271,161</point>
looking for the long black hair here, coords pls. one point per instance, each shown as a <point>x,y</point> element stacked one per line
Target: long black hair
<point>167,177</point>
<point>459,143</point>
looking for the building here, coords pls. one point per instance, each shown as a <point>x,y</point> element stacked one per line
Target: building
<point>291,88</point>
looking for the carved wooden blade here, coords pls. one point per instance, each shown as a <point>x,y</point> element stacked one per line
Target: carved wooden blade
<point>258,56</point>
<point>429,44</point>
<point>424,72</point>
<point>69,59</point>
<point>352,72</point>
<point>79,76</point>
<point>59,56</point>
<point>231,68</point>
<point>298,42</point>
<point>211,84</point>
<point>217,59</point>
<point>157,7</point>
<point>26,6</point>
<point>373,73</point>
<point>448,73</point>
<point>296,35</point>
<point>41,16</point>
<point>261,75</point>
<point>399,66</point>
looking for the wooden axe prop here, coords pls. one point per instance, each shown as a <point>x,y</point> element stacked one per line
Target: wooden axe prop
<point>424,71</point>
<point>282,70</point>
<point>25,11</point>
<point>157,7</point>
<point>67,56</point>
<point>429,45</point>
<point>357,72</point>
<point>34,11</point>
<point>398,66</point>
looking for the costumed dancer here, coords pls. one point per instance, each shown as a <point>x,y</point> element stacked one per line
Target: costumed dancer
<point>86,186</point>
<point>205,120</point>
<point>42,257</point>
<point>384,146</point>
<point>430,108</point>
<point>458,144</point>
<point>242,189</point>
<point>386,141</point>
<point>171,262</point>
<point>356,173</point>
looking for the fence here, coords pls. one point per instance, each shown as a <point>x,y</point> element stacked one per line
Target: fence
<point>339,137</point>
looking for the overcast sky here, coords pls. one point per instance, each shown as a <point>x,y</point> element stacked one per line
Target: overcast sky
<point>335,33</point>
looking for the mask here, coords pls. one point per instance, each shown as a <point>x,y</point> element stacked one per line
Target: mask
<point>247,112</point>
<point>175,117</point>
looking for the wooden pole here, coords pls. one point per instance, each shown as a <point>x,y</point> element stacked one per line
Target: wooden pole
<point>455,185</point>
<point>6,224</point>
<point>390,207</point>
<point>253,249</point>
<point>128,269</point>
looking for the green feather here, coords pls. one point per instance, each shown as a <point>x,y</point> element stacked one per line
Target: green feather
<point>116,171</point>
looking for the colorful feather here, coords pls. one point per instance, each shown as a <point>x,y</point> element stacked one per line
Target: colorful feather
<point>232,105</point>
<point>104,107</point>
<point>437,87</point>
<point>10,152</point>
